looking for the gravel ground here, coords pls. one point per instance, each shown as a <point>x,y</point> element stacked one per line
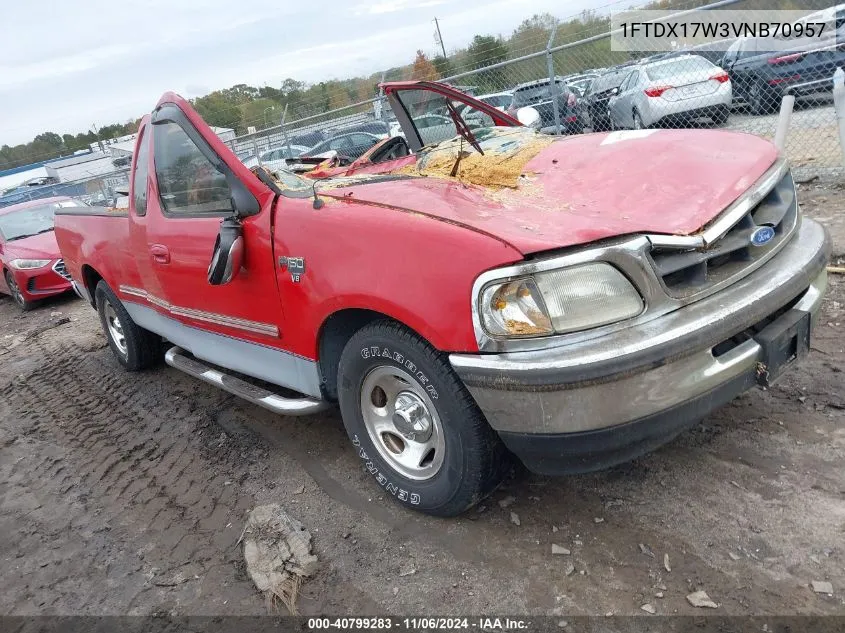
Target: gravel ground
<point>126,494</point>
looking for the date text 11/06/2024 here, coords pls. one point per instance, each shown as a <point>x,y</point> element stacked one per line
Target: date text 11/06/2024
<point>422,623</point>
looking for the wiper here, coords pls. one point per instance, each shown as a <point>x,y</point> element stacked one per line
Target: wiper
<point>462,128</point>
<point>20,237</point>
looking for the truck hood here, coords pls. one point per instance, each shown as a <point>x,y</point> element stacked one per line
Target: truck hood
<point>41,246</point>
<point>575,190</point>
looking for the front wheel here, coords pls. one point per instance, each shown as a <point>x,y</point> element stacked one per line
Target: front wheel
<point>134,347</point>
<point>413,423</point>
<point>23,303</point>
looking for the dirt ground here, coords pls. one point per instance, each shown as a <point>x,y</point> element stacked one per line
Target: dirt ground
<point>126,494</point>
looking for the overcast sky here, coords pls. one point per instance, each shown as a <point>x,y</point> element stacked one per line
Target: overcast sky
<point>65,65</point>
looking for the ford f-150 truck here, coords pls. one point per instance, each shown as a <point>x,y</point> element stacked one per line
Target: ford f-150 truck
<point>574,302</point>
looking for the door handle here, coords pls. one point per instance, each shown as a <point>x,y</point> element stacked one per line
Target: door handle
<point>160,253</point>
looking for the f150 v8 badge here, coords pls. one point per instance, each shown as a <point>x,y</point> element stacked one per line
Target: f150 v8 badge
<point>295,266</point>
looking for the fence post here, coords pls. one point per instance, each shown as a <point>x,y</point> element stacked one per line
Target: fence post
<point>786,105</point>
<point>552,83</point>
<point>839,104</point>
<point>284,131</point>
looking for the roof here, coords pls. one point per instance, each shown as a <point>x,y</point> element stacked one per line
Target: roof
<point>39,202</point>
<point>75,160</point>
<point>670,60</point>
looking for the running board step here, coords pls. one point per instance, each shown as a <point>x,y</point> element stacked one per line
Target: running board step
<point>177,359</point>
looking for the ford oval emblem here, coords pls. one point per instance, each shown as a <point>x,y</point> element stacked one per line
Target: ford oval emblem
<point>762,236</point>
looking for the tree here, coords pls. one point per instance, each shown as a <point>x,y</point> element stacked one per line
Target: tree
<point>486,50</point>
<point>443,66</point>
<point>423,69</point>
<point>219,109</point>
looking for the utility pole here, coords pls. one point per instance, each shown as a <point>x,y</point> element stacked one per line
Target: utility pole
<point>97,133</point>
<point>439,38</point>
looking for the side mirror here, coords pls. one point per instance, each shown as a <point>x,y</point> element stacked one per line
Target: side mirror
<point>227,257</point>
<point>614,92</point>
<point>528,116</point>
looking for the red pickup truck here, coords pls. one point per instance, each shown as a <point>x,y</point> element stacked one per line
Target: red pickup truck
<point>464,294</point>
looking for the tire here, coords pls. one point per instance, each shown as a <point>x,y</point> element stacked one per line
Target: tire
<point>761,100</point>
<point>638,121</point>
<point>452,458</point>
<point>720,116</point>
<point>134,347</point>
<point>23,303</point>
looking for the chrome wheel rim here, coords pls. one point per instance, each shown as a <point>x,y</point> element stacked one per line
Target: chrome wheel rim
<point>402,422</point>
<point>17,295</point>
<point>115,328</point>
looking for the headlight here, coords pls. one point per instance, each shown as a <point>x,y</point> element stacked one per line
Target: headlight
<point>514,309</point>
<point>559,301</point>
<point>28,264</point>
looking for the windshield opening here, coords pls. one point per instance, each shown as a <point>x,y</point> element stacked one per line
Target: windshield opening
<point>429,112</point>
<point>16,225</point>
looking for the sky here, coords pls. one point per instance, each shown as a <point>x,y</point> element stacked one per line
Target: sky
<point>65,66</point>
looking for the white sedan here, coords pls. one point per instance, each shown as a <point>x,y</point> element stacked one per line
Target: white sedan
<point>679,90</point>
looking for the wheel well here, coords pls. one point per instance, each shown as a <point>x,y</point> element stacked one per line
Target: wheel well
<point>334,334</point>
<point>90,278</point>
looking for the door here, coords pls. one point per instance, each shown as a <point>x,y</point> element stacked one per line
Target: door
<point>620,105</point>
<point>195,182</point>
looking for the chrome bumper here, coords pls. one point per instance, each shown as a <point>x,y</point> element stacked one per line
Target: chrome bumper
<point>643,371</point>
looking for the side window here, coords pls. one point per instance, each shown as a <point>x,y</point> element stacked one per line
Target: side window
<point>188,183</point>
<point>362,140</point>
<point>139,181</point>
<point>338,143</point>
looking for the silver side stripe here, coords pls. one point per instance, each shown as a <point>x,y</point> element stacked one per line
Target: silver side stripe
<point>209,317</point>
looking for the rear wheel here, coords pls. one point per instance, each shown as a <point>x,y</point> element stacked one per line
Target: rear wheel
<point>23,303</point>
<point>638,121</point>
<point>134,347</point>
<point>413,423</point>
<point>762,100</point>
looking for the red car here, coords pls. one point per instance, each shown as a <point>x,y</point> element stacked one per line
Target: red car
<point>32,267</point>
<point>470,295</point>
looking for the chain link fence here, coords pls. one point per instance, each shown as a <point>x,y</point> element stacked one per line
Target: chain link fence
<point>582,84</point>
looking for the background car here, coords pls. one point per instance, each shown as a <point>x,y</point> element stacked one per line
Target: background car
<point>499,100</point>
<point>761,77</point>
<point>275,158</point>
<point>675,90</point>
<point>347,145</point>
<point>30,262</point>
<point>592,107</point>
<point>379,128</point>
<point>538,95</point>
<point>580,83</point>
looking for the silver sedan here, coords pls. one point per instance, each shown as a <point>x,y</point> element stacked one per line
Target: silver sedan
<point>678,90</point>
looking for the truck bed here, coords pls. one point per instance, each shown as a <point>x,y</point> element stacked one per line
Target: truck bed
<point>96,237</point>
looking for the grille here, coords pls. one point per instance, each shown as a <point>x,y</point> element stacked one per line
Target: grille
<point>59,268</point>
<point>687,273</point>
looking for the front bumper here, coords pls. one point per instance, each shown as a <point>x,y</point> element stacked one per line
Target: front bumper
<point>39,283</point>
<point>576,408</point>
